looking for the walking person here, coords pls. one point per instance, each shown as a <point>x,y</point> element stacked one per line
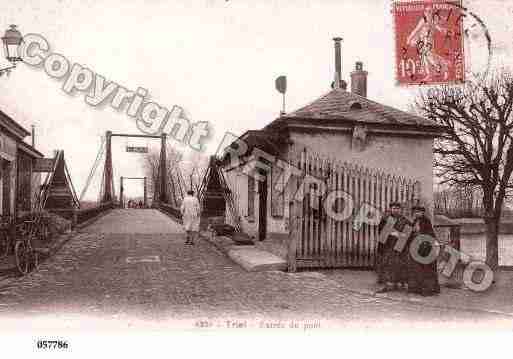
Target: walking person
<point>422,277</point>
<point>191,211</point>
<point>391,263</point>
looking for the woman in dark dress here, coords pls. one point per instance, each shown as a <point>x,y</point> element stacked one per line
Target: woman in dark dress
<point>392,264</point>
<point>423,278</point>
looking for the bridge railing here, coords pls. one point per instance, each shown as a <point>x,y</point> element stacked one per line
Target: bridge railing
<point>171,211</point>
<point>83,215</point>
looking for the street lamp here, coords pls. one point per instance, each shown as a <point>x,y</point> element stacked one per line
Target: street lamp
<point>12,40</point>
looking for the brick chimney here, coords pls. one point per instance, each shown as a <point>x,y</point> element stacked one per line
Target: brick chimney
<point>359,80</point>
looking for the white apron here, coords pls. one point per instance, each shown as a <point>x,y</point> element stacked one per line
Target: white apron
<point>191,213</point>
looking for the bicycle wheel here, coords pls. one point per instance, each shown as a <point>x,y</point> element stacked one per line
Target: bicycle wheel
<point>22,256</point>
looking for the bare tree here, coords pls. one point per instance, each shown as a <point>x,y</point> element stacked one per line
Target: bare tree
<point>151,161</point>
<point>458,201</point>
<point>193,170</point>
<point>476,148</point>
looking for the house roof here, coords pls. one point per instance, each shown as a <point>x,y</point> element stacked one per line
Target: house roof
<point>339,109</point>
<point>13,126</point>
<point>347,107</point>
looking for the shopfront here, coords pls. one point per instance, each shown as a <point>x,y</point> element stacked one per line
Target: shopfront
<point>18,182</point>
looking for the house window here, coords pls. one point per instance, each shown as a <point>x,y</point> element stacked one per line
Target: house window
<point>251,197</point>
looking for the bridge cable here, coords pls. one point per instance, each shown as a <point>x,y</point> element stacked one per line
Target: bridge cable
<point>93,168</point>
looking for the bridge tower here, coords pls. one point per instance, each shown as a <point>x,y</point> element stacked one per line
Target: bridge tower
<point>163,170</point>
<point>161,185</point>
<point>108,180</point>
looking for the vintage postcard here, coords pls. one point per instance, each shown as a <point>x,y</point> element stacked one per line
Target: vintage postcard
<point>255,174</point>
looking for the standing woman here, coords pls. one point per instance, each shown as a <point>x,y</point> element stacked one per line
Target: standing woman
<point>392,264</point>
<point>423,278</point>
<point>191,211</point>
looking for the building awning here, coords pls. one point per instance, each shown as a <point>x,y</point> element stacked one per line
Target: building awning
<point>268,141</point>
<point>28,149</point>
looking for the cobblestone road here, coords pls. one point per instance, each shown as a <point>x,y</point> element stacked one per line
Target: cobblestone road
<point>131,267</point>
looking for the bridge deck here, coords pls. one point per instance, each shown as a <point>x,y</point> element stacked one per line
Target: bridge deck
<point>146,221</point>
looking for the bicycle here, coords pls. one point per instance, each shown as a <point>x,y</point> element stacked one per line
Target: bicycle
<point>26,256</point>
<point>42,226</point>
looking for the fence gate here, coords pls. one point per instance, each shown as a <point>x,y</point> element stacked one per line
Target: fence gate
<point>319,240</point>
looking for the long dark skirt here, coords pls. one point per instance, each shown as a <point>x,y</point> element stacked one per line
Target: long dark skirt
<point>422,278</point>
<point>392,266</point>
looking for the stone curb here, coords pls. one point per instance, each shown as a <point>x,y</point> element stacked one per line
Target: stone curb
<point>246,259</point>
<point>233,252</point>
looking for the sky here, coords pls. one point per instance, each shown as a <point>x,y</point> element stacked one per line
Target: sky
<point>217,59</point>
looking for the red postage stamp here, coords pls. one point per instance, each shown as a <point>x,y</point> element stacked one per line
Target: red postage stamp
<point>429,42</point>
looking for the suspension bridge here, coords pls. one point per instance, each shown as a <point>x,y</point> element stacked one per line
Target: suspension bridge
<point>168,184</point>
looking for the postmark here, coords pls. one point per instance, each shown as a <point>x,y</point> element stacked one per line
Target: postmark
<point>429,42</point>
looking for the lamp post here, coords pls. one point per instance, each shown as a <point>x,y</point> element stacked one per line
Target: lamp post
<point>12,40</point>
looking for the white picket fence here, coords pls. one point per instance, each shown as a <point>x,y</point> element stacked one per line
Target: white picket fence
<point>318,240</point>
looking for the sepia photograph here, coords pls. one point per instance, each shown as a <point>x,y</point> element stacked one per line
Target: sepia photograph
<point>247,178</point>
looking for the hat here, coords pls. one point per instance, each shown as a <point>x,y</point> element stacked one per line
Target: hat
<point>395,204</point>
<point>418,208</point>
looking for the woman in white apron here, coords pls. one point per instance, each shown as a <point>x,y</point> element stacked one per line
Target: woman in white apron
<point>191,211</point>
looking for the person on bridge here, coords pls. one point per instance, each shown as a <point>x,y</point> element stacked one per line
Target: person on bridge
<point>191,211</point>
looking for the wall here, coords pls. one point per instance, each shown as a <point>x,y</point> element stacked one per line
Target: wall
<point>9,152</point>
<point>238,184</point>
<point>408,157</point>
<point>36,185</point>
